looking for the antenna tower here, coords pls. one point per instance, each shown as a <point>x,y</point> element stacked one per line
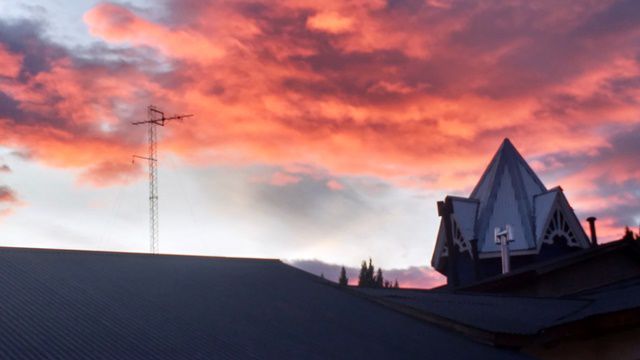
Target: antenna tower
<point>155,118</point>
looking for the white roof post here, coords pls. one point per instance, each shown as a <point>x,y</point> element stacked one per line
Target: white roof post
<point>503,238</point>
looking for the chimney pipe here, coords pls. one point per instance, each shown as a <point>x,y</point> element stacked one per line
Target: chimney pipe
<point>592,227</point>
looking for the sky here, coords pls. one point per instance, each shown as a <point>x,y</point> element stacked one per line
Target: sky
<point>324,132</point>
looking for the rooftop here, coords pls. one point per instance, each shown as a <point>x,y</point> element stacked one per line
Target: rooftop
<point>82,304</point>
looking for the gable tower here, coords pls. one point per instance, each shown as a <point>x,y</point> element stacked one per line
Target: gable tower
<point>541,221</point>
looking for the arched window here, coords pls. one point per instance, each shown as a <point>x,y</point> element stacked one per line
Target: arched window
<point>559,230</point>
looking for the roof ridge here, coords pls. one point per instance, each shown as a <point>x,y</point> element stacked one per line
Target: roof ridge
<point>130,253</point>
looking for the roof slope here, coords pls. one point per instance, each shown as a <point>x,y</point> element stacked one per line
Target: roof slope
<point>505,192</point>
<point>495,313</point>
<point>516,315</point>
<point>78,305</point>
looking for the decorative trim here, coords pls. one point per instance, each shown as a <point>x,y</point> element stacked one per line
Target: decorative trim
<point>559,226</point>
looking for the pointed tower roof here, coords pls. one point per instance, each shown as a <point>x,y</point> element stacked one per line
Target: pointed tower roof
<point>509,193</point>
<point>505,193</point>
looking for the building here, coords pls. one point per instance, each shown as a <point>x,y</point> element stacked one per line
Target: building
<point>61,304</point>
<point>509,194</point>
<point>542,287</point>
<point>583,305</point>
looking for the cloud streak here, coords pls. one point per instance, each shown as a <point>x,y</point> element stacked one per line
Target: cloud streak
<point>8,201</point>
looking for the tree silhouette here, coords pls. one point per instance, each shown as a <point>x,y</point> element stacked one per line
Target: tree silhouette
<point>369,278</point>
<point>379,280</point>
<point>629,235</point>
<point>396,285</point>
<point>362,279</point>
<point>343,280</point>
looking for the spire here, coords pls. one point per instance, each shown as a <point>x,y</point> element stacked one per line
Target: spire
<point>506,154</point>
<point>508,193</point>
<point>505,193</point>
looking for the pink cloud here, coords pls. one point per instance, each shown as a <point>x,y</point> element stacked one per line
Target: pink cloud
<point>282,179</point>
<point>9,63</point>
<point>334,185</point>
<point>8,201</point>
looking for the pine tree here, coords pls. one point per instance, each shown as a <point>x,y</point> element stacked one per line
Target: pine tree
<point>396,285</point>
<point>628,234</point>
<point>343,280</point>
<point>370,277</point>
<point>362,279</point>
<point>379,280</point>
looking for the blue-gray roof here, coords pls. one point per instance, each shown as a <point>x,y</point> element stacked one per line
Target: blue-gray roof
<point>82,305</point>
<point>508,192</point>
<point>515,314</point>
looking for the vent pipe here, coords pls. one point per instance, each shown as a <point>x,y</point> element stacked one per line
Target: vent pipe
<point>592,227</point>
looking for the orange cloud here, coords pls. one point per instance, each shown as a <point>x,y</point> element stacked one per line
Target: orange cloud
<point>109,173</point>
<point>330,22</point>
<point>417,93</point>
<point>115,23</point>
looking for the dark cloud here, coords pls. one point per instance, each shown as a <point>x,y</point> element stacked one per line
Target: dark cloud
<point>9,108</point>
<point>21,154</point>
<point>310,206</point>
<point>608,179</point>
<point>620,17</point>
<point>25,37</point>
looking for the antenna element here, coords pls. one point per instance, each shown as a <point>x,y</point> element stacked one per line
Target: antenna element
<point>155,118</point>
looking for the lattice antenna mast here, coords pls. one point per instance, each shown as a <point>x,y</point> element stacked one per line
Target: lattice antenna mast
<point>155,118</point>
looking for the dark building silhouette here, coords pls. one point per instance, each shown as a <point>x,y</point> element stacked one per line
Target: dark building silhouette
<point>509,193</point>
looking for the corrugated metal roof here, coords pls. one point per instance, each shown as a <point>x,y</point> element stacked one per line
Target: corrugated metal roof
<point>513,314</point>
<point>618,297</point>
<point>494,313</point>
<point>83,305</point>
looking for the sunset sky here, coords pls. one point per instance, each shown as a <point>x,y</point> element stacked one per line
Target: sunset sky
<point>324,131</point>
